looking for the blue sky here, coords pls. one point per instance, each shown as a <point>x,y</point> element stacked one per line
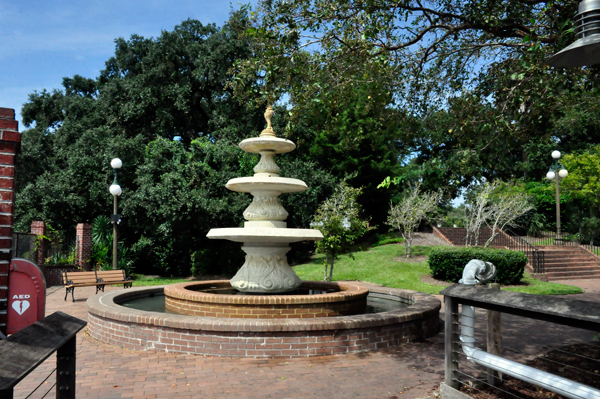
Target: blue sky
<point>43,41</point>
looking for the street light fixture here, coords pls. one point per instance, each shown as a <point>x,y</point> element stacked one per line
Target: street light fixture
<point>562,173</point>
<point>115,218</point>
<point>586,49</point>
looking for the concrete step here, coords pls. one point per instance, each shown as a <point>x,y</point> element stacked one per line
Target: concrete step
<point>559,262</point>
<point>572,268</point>
<point>571,262</point>
<point>572,276</point>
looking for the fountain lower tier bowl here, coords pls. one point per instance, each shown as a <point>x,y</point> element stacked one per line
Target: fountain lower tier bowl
<point>324,300</point>
<point>259,235</point>
<point>142,330</point>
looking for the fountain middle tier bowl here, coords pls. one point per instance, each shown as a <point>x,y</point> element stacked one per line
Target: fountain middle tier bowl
<point>266,183</point>
<point>264,235</point>
<point>315,299</point>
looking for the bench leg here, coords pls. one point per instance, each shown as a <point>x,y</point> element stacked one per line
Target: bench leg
<point>73,294</point>
<point>71,289</point>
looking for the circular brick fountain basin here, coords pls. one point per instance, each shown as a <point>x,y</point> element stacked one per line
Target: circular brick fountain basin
<point>192,299</point>
<point>134,329</point>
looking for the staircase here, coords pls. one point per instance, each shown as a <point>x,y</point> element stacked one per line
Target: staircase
<point>570,263</point>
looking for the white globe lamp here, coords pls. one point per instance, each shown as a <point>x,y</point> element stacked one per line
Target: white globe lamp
<point>550,175</point>
<point>556,154</point>
<point>115,189</point>
<point>563,173</point>
<point>116,163</point>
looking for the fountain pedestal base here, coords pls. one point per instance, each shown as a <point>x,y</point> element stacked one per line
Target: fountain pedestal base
<point>266,270</point>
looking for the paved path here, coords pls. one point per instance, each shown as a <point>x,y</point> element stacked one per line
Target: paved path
<point>409,371</point>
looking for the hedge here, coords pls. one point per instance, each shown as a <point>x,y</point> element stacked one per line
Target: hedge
<point>448,263</point>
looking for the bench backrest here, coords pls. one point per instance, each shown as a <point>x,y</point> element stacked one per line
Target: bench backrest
<point>111,275</point>
<point>79,277</point>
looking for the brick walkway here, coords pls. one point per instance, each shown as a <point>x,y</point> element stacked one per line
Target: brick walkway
<point>409,371</point>
<point>104,371</point>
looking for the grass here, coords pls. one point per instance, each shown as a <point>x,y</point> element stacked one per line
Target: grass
<point>143,281</point>
<point>386,265</point>
<point>387,238</point>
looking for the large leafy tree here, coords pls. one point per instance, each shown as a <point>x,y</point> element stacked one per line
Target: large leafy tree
<point>472,75</point>
<point>162,106</point>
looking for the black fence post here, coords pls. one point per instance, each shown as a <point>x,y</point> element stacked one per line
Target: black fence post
<point>65,369</point>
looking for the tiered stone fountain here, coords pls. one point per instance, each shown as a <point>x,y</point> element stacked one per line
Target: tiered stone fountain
<point>265,234</point>
<point>265,310</point>
<point>272,289</point>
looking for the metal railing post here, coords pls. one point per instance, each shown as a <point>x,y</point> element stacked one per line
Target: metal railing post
<point>65,370</point>
<point>494,339</point>
<point>451,342</point>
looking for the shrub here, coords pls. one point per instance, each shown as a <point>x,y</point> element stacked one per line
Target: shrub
<point>448,263</point>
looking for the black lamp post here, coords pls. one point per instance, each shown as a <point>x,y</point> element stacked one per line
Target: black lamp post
<point>559,172</point>
<point>115,190</point>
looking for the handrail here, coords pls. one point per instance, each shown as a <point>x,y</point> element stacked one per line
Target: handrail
<point>534,255</point>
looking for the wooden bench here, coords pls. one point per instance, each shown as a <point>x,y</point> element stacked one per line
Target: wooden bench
<point>98,279</point>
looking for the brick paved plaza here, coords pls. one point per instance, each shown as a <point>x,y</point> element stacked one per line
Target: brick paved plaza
<point>409,371</point>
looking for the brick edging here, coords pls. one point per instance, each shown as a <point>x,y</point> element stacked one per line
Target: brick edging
<point>104,306</point>
<point>588,251</point>
<point>439,234</point>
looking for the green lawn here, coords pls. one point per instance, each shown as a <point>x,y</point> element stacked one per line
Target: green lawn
<point>387,266</point>
<point>142,281</point>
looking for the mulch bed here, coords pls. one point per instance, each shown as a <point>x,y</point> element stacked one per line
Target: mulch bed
<point>580,363</point>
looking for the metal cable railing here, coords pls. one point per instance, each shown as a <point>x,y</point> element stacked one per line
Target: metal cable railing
<point>572,358</point>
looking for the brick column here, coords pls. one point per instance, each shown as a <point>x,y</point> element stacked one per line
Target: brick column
<point>39,229</point>
<point>84,245</point>
<point>10,142</point>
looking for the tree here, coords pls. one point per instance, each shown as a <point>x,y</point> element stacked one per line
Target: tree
<point>583,181</point>
<point>497,205</point>
<point>162,106</point>
<point>407,215</point>
<point>471,74</point>
<point>338,218</point>
<point>505,211</point>
<point>477,212</point>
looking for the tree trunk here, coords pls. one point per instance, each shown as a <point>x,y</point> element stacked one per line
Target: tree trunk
<point>326,265</point>
<point>491,239</point>
<point>331,269</point>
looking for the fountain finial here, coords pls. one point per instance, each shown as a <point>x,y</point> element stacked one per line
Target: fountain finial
<point>268,116</point>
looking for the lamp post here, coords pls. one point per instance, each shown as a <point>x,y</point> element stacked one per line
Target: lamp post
<point>115,190</point>
<point>552,173</point>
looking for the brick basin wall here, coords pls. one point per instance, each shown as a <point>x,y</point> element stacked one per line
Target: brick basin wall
<point>186,299</point>
<point>263,338</point>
